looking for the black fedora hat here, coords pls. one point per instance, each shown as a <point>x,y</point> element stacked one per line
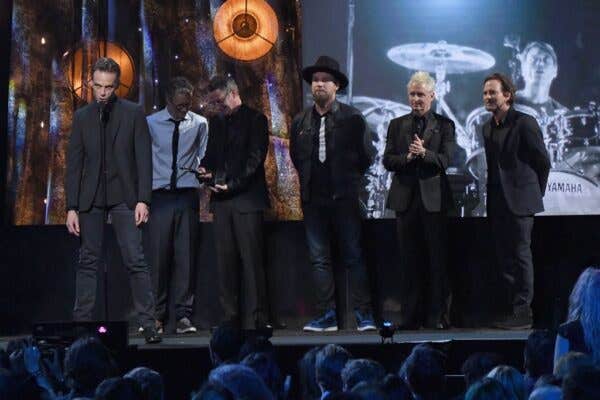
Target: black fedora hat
<point>325,64</point>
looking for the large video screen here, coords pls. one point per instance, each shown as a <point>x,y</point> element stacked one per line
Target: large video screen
<point>549,48</point>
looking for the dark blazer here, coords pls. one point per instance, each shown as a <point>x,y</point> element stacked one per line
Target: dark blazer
<point>427,174</point>
<point>523,162</point>
<point>240,160</point>
<point>349,159</point>
<point>130,140</point>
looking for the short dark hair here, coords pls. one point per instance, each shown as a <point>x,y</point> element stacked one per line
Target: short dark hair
<point>179,84</point>
<point>107,64</point>
<point>226,341</point>
<point>307,375</point>
<point>87,363</point>
<point>330,361</point>
<point>222,82</point>
<point>478,365</point>
<point>119,389</point>
<point>361,370</point>
<point>539,353</point>
<point>266,367</point>
<point>582,383</point>
<point>487,389</point>
<point>150,382</point>
<point>425,371</point>
<point>506,84</point>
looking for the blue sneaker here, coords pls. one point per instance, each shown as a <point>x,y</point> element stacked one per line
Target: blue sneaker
<point>364,321</point>
<point>325,323</point>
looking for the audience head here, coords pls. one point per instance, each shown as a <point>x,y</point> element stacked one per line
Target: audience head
<point>547,392</point>
<point>149,381</point>
<point>395,388</point>
<point>265,366</point>
<point>213,391</point>
<point>241,381</point>
<point>538,354</point>
<point>118,389</point>
<point>329,364</point>
<point>569,362</point>
<point>576,296</point>
<point>309,388</point>
<point>87,363</point>
<point>511,379</point>
<point>255,344</point>
<point>369,391</point>
<point>478,365</point>
<point>487,389</point>
<point>361,370</point>
<point>225,343</point>
<point>425,372</point>
<point>582,383</point>
<point>590,316</point>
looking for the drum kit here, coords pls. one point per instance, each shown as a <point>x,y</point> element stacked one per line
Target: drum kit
<point>572,137</point>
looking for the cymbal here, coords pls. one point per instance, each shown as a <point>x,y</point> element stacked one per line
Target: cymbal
<point>454,59</point>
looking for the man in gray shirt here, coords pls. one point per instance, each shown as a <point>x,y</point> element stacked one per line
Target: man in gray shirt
<point>179,139</point>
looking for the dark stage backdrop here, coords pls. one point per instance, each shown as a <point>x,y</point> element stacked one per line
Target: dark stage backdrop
<point>547,46</point>
<point>158,39</point>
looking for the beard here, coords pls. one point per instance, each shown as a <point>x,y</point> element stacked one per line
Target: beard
<point>321,98</point>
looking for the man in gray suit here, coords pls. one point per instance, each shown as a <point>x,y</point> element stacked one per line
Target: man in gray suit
<point>109,173</point>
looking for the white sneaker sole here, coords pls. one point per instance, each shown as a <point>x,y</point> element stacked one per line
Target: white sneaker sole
<point>187,330</point>
<point>311,329</point>
<point>366,328</point>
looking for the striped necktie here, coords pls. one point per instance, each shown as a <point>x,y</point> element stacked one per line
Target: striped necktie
<point>322,147</point>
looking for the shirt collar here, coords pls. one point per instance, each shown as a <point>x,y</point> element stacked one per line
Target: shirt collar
<point>166,115</point>
<point>424,116</point>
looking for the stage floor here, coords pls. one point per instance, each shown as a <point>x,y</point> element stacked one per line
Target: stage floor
<point>289,337</point>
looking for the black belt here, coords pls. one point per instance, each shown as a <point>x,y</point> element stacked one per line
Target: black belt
<point>175,191</point>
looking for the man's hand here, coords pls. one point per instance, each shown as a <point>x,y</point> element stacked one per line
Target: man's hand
<point>416,147</point>
<point>141,213</point>
<point>31,359</point>
<point>73,222</point>
<point>204,174</point>
<point>219,188</point>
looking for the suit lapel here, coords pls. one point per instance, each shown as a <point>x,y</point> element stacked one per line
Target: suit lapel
<point>114,122</point>
<point>432,127</point>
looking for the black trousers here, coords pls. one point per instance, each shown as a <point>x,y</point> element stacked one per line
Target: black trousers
<point>129,238</point>
<point>240,257</point>
<point>342,219</point>
<point>173,237</point>
<point>422,240</point>
<point>512,241</point>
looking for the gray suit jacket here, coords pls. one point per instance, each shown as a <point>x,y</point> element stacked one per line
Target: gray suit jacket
<point>131,146</point>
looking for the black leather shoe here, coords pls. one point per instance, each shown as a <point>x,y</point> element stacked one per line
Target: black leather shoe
<point>521,318</point>
<point>151,336</point>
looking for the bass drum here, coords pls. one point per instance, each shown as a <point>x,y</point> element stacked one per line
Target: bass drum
<point>568,193</point>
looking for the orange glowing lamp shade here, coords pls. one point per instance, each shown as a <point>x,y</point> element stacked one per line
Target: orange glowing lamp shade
<point>245,29</point>
<point>77,67</point>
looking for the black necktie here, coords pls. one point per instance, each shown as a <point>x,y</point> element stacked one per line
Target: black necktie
<point>420,126</point>
<point>175,147</point>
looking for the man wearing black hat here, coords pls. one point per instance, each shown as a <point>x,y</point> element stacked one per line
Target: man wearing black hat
<point>327,149</point>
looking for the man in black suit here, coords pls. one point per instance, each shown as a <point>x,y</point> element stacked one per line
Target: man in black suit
<point>238,140</point>
<point>109,173</point>
<point>518,167</point>
<point>418,150</point>
<point>328,151</point>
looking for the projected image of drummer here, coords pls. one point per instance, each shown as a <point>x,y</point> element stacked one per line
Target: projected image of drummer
<point>539,67</point>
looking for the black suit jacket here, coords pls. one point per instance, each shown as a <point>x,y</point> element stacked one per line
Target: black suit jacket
<point>427,174</point>
<point>523,162</point>
<point>349,159</point>
<point>130,140</point>
<point>240,159</point>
